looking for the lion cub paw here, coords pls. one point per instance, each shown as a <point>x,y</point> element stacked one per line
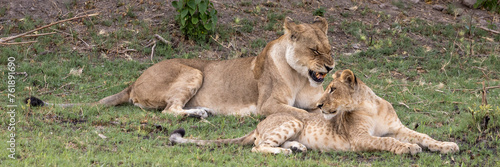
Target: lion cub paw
<point>448,147</point>
<point>295,146</point>
<point>272,150</point>
<point>409,148</point>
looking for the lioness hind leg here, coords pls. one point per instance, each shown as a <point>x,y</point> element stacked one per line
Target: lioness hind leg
<point>181,90</point>
<point>407,135</point>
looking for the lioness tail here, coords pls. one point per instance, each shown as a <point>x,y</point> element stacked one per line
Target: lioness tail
<point>113,100</point>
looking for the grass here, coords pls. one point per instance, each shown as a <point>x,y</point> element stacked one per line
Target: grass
<point>430,72</point>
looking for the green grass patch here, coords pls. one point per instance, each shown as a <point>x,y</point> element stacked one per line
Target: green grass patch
<point>432,74</point>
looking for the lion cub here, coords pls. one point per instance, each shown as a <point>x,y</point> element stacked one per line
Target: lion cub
<point>353,118</point>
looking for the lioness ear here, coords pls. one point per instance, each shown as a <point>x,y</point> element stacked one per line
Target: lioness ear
<point>348,77</point>
<point>321,23</point>
<point>292,28</point>
<point>289,25</point>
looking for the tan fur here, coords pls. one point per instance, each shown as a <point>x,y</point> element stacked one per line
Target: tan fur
<point>353,118</point>
<point>274,81</point>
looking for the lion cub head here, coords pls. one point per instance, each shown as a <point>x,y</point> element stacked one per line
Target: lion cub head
<point>343,94</point>
<point>310,52</point>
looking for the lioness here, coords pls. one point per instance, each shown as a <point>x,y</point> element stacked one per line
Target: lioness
<point>353,118</point>
<point>285,77</point>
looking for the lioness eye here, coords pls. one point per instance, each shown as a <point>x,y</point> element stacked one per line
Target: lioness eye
<point>332,89</point>
<point>315,51</point>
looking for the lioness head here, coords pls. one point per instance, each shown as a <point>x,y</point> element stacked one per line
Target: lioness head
<point>310,53</point>
<point>341,94</point>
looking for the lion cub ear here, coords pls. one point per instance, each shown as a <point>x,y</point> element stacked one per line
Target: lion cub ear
<point>337,74</point>
<point>348,77</point>
<point>321,23</point>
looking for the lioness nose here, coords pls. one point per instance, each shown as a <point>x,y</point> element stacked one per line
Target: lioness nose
<point>328,69</point>
<point>320,105</point>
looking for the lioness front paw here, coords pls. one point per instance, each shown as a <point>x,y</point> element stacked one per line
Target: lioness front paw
<point>408,148</point>
<point>197,112</point>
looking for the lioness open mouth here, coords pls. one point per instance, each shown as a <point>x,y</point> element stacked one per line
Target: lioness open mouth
<point>317,76</point>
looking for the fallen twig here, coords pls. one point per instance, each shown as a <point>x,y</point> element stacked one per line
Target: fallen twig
<point>16,43</point>
<point>162,39</point>
<point>489,30</point>
<point>483,93</point>
<point>6,39</point>
<point>126,50</point>
<point>68,34</point>
<point>403,104</point>
<point>153,51</point>
<point>492,87</point>
<point>42,34</point>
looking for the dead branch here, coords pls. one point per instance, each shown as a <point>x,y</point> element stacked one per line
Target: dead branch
<point>492,87</point>
<point>483,93</point>
<point>68,34</point>
<point>153,51</point>
<point>17,43</point>
<point>42,34</point>
<point>489,30</point>
<point>126,50</point>
<point>162,39</point>
<point>6,39</point>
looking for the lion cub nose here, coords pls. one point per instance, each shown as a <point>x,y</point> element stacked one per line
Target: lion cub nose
<point>320,105</point>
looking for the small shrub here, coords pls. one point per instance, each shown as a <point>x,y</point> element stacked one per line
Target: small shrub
<point>3,10</point>
<point>492,5</point>
<point>319,12</point>
<point>258,43</point>
<point>197,18</point>
<point>485,115</point>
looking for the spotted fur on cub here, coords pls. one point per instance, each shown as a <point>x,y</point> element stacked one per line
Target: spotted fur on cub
<point>353,118</point>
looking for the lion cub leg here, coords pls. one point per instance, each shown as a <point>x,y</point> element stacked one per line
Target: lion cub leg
<point>407,135</point>
<point>181,90</point>
<point>279,134</point>
<point>374,143</point>
<point>362,140</point>
<point>295,146</point>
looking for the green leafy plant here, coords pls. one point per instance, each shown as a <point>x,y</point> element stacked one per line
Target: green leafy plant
<point>492,5</point>
<point>319,12</point>
<point>197,18</point>
<point>482,114</point>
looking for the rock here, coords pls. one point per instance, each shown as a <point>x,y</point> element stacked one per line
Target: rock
<point>415,1</point>
<point>382,6</point>
<point>355,46</point>
<point>458,12</point>
<point>438,7</point>
<point>469,3</point>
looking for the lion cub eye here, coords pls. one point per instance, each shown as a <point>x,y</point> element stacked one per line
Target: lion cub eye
<point>332,89</point>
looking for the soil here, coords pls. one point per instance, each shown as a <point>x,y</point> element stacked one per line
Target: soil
<point>156,11</point>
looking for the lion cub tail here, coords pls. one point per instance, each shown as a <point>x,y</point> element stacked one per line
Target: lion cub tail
<point>177,137</point>
<point>112,100</point>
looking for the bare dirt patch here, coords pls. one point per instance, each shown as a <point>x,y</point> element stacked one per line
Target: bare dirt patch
<point>159,14</point>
